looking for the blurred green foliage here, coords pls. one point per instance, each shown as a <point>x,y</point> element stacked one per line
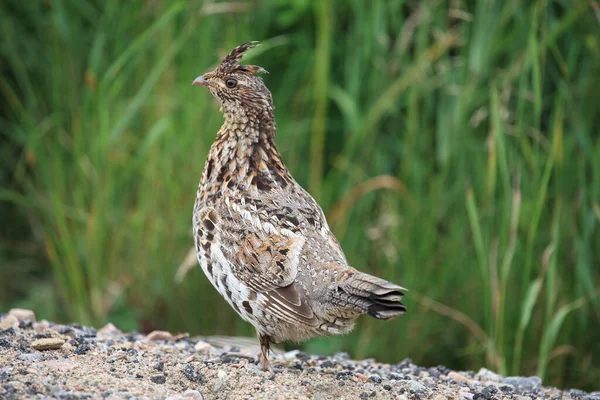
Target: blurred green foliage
<point>454,146</point>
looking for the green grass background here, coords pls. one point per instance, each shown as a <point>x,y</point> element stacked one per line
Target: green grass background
<point>453,145</point>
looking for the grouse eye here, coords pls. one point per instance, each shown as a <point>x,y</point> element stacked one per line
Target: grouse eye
<point>231,83</point>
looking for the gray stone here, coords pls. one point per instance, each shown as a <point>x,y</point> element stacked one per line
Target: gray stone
<point>220,382</point>
<point>31,357</point>
<point>521,383</point>
<point>253,369</point>
<point>487,375</point>
<point>158,379</point>
<point>416,387</point>
<point>341,356</point>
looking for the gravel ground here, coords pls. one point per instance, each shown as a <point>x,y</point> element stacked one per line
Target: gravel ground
<point>47,360</point>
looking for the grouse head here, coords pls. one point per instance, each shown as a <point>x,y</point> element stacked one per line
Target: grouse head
<point>239,88</point>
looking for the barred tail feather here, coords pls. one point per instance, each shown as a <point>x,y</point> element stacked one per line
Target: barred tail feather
<point>374,296</point>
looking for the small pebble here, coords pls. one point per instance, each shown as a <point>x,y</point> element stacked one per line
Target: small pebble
<point>189,359</point>
<point>203,348</point>
<point>458,377</point>
<point>489,390</point>
<point>253,369</point>
<point>192,374</point>
<point>159,379</point>
<point>159,365</point>
<point>522,384</point>
<point>8,332</point>
<point>416,387</point>
<point>485,374</point>
<point>31,357</point>
<point>63,329</point>
<point>342,356</point>
<point>291,355</point>
<point>47,344</point>
<point>108,330</point>
<point>22,314</point>
<point>192,395</point>
<point>9,322</point>
<point>159,335</point>
<point>362,377</point>
<point>181,336</point>
<point>82,349</point>
<point>25,324</point>
<point>465,393</point>
<point>41,327</point>
<point>506,389</point>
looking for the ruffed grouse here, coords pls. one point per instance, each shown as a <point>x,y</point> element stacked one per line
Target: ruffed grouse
<point>261,239</point>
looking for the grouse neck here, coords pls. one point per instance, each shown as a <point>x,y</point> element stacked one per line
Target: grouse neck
<point>246,132</point>
<point>250,124</point>
<point>244,155</point>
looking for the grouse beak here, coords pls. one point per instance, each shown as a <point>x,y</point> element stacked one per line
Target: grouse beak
<point>200,81</point>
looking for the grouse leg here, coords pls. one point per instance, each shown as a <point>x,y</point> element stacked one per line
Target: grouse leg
<point>263,357</point>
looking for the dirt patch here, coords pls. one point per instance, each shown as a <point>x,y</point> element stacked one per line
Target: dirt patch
<point>112,365</point>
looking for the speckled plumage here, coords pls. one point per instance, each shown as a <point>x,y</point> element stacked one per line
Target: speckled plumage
<point>261,239</point>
